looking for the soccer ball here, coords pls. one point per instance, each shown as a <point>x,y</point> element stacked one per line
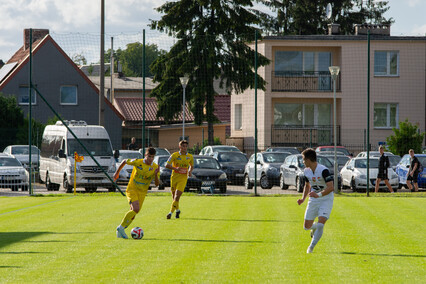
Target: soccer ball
<point>137,233</point>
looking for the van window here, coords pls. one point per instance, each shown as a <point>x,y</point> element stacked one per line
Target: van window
<point>96,147</point>
<point>50,146</point>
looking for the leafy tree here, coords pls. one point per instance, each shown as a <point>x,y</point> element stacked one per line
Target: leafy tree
<point>405,138</point>
<point>36,133</point>
<point>79,59</point>
<point>131,58</point>
<point>306,17</point>
<point>212,37</point>
<point>11,119</point>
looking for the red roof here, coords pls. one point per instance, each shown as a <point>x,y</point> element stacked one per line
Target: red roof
<point>132,109</point>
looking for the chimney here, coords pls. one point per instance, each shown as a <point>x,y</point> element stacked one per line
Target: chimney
<point>333,29</point>
<point>37,34</point>
<point>382,29</point>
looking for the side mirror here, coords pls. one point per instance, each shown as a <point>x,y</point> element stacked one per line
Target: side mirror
<point>116,154</point>
<point>408,166</point>
<point>258,162</point>
<point>61,153</point>
<point>292,166</point>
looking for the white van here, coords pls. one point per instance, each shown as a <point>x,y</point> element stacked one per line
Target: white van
<point>57,157</point>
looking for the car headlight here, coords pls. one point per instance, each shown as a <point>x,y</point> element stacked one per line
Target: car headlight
<point>273,170</point>
<point>22,172</point>
<point>194,176</point>
<point>77,168</point>
<point>223,176</point>
<point>395,176</point>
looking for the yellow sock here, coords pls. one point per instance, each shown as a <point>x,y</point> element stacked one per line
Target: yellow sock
<point>175,205</point>
<point>128,218</point>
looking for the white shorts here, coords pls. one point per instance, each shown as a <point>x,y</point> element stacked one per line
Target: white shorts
<point>319,207</point>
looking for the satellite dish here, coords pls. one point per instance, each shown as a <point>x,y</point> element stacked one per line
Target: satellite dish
<point>328,11</point>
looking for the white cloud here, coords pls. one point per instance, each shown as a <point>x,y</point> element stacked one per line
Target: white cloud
<point>419,30</point>
<point>413,3</point>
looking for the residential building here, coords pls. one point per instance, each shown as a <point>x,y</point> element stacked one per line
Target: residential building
<point>296,109</point>
<point>62,84</point>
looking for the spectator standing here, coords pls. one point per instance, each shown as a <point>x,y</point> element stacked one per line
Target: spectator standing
<point>132,145</point>
<point>413,172</point>
<point>383,170</point>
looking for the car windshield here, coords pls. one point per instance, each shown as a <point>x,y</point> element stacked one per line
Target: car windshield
<point>344,151</point>
<point>422,160</point>
<point>324,161</point>
<point>284,149</point>
<point>276,157</point>
<point>162,161</point>
<point>341,160</point>
<point>206,163</point>
<point>9,162</point>
<point>161,151</point>
<point>24,150</point>
<point>232,158</point>
<point>225,149</point>
<point>394,160</point>
<point>97,147</point>
<point>362,163</point>
<point>130,155</point>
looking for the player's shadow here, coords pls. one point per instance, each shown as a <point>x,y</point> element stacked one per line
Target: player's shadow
<point>209,241</point>
<point>240,220</point>
<point>382,254</point>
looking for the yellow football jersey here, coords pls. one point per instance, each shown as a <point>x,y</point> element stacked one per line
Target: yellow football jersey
<point>181,161</point>
<point>142,173</point>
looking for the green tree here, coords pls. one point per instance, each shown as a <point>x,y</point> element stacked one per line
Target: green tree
<point>79,59</point>
<point>406,137</point>
<point>211,46</point>
<point>11,119</point>
<point>131,58</point>
<point>37,129</point>
<point>307,17</point>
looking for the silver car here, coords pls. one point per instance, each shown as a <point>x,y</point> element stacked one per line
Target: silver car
<point>126,172</point>
<point>12,174</point>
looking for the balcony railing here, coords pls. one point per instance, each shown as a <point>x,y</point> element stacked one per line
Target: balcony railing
<point>303,81</point>
<point>303,136</point>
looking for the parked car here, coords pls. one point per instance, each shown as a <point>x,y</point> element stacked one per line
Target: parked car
<point>232,164</point>
<point>329,148</point>
<point>126,172</point>
<point>209,150</point>
<point>22,154</point>
<point>341,159</point>
<point>158,151</point>
<point>12,174</point>
<point>354,174</point>
<point>292,150</point>
<point>404,165</point>
<point>267,167</point>
<point>292,171</point>
<point>373,154</point>
<point>165,173</point>
<point>207,174</point>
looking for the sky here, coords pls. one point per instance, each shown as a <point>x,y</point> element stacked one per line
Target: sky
<point>132,16</point>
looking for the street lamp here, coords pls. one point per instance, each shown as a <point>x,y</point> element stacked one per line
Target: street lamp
<point>184,81</point>
<point>334,71</point>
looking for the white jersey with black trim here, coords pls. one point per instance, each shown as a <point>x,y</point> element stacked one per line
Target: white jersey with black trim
<point>318,179</point>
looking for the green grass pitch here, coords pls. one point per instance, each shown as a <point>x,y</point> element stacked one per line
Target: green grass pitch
<point>71,239</point>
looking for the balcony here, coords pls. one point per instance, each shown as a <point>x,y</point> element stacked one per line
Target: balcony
<point>303,136</point>
<point>303,81</point>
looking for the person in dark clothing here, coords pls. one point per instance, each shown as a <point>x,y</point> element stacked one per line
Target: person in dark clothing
<point>383,170</point>
<point>132,145</point>
<point>413,172</point>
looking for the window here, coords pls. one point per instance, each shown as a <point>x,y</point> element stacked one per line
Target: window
<point>68,95</point>
<point>385,115</point>
<point>386,63</point>
<point>238,117</point>
<point>24,97</point>
<point>302,114</point>
<point>302,61</point>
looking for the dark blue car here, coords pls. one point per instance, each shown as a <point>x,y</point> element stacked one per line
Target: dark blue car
<point>403,166</point>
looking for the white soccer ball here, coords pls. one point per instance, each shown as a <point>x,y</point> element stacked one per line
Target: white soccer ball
<point>136,233</point>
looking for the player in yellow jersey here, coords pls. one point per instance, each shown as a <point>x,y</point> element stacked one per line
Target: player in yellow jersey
<point>182,164</point>
<point>144,170</point>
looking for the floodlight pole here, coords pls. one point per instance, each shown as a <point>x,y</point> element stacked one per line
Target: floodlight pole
<point>184,82</point>
<point>334,71</point>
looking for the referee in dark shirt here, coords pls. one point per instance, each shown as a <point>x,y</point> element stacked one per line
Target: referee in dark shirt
<point>383,170</point>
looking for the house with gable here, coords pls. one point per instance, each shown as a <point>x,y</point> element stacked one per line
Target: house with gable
<point>64,86</point>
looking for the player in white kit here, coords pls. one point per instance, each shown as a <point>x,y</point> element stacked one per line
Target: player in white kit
<point>319,187</point>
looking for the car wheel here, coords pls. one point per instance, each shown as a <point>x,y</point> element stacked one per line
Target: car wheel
<point>248,185</point>
<point>353,185</point>
<point>49,185</point>
<point>282,183</point>
<point>222,189</point>
<point>91,189</point>
<point>400,185</point>
<point>299,186</point>
<point>68,188</point>
<point>264,182</point>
